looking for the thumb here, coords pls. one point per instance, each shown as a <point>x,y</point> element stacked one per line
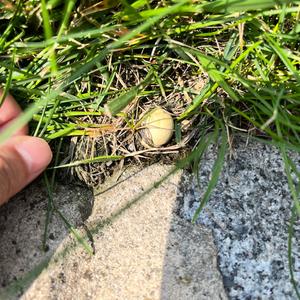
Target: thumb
<point>22,159</point>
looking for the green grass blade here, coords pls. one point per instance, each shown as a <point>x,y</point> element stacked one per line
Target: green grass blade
<point>61,133</point>
<point>67,13</point>
<point>290,179</point>
<point>102,95</point>
<point>217,76</point>
<point>7,85</point>
<point>48,35</point>
<point>290,257</point>
<point>283,56</point>
<point>76,234</point>
<point>216,171</point>
<point>49,211</point>
<point>231,6</point>
<point>115,106</point>
<point>90,161</point>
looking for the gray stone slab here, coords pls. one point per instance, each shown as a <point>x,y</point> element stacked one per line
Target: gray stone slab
<point>22,226</point>
<point>190,262</point>
<point>143,250</point>
<point>249,214</point>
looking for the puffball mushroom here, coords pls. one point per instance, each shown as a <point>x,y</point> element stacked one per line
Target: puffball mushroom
<point>157,128</point>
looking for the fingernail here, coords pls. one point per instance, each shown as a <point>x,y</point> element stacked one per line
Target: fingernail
<point>35,153</point>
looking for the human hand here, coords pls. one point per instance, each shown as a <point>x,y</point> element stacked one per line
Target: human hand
<point>22,157</point>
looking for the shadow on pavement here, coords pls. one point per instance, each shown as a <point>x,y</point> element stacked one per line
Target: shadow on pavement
<point>22,229</point>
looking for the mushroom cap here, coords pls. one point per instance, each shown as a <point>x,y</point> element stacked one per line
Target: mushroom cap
<point>158,128</point>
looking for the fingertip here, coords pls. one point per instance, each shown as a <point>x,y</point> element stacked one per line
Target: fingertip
<point>22,159</point>
<point>36,154</point>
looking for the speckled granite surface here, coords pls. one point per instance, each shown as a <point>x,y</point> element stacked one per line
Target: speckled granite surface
<point>248,213</point>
